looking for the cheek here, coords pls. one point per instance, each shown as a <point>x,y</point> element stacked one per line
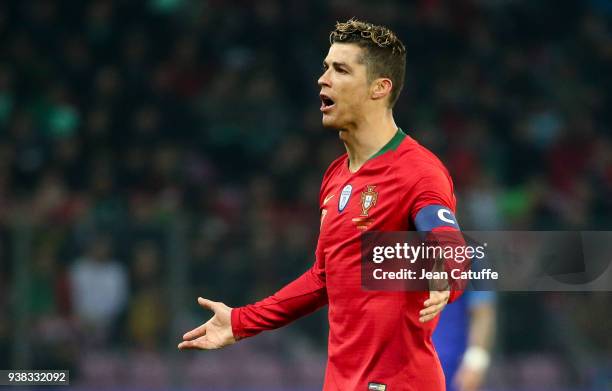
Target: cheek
<point>354,97</point>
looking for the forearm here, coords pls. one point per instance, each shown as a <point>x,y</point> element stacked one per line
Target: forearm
<point>482,329</point>
<point>450,237</point>
<point>300,297</point>
<point>482,326</point>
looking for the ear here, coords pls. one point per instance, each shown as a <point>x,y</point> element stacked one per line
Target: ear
<point>381,88</point>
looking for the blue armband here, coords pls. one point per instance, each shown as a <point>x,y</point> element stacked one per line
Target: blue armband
<point>434,216</point>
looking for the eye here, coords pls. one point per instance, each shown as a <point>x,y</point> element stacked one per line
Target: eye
<point>340,70</point>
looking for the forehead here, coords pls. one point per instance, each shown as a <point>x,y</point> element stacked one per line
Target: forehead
<point>348,53</point>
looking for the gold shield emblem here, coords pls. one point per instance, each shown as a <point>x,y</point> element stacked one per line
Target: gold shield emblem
<point>368,199</point>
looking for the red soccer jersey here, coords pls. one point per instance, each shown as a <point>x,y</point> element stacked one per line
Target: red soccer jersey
<point>376,341</point>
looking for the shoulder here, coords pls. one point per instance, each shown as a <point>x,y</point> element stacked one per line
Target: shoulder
<point>414,162</point>
<point>424,177</point>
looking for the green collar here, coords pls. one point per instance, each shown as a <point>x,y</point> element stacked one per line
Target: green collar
<point>392,144</point>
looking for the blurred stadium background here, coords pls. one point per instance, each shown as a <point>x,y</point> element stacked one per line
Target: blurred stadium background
<point>154,151</point>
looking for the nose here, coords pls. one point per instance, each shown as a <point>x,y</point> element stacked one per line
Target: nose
<point>324,79</point>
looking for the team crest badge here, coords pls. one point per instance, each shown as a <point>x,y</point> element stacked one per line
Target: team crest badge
<point>368,199</point>
<point>345,195</point>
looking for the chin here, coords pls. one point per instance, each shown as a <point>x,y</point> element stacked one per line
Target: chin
<point>330,122</point>
<point>327,124</point>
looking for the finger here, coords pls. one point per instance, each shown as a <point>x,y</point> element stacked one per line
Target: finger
<point>427,311</point>
<point>205,303</point>
<point>200,343</point>
<point>436,297</point>
<point>195,333</point>
<point>431,309</point>
<point>427,318</point>
<point>430,313</point>
<point>186,345</point>
<point>429,302</point>
<point>433,300</point>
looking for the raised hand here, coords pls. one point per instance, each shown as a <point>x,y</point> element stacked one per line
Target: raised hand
<point>214,334</point>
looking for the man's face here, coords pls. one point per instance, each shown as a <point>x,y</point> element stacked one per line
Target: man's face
<point>344,86</point>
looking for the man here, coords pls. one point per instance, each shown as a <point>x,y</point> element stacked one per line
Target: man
<point>385,182</point>
<point>463,340</point>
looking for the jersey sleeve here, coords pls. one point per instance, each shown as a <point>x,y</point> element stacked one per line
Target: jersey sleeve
<point>298,298</point>
<point>432,209</point>
<point>433,188</point>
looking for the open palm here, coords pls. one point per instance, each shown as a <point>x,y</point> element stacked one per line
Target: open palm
<point>214,334</point>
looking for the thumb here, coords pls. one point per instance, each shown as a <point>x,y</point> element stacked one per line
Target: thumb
<point>208,304</point>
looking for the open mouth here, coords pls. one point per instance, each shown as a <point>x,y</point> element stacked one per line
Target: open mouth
<point>326,102</point>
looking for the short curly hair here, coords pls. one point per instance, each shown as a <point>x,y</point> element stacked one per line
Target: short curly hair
<point>384,54</point>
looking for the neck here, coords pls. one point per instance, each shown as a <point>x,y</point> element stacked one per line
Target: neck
<point>366,138</point>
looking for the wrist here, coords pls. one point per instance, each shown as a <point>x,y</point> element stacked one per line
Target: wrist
<point>235,324</point>
<point>476,358</point>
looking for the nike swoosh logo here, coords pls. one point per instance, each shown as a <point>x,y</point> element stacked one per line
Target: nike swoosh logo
<point>329,197</point>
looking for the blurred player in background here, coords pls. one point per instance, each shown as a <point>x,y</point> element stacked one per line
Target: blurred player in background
<point>385,182</point>
<point>463,340</point>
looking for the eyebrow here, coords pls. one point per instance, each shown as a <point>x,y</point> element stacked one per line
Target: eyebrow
<point>337,64</point>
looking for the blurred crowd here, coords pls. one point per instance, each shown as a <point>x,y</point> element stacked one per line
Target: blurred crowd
<point>137,133</point>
